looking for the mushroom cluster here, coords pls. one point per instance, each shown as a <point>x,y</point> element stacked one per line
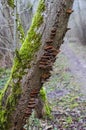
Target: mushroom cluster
<point>69,11</point>
<point>49,57</point>
<point>31,104</point>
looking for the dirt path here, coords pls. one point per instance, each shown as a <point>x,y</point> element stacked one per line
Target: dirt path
<point>77,35</point>
<point>77,66</point>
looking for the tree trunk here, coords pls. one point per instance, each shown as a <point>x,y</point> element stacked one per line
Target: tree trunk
<point>33,62</point>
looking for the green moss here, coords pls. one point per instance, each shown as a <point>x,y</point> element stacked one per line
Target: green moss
<point>32,41</point>
<point>1,71</point>
<point>43,94</point>
<point>11,3</point>
<point>9,105</point>
<point>20,31</point>
<point>3,119</point>
<point>69,120</point>
<point>21,61</point>
<point>47,108</point>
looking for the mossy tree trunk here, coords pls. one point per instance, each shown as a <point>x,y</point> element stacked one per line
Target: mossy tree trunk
<point>26,79</point>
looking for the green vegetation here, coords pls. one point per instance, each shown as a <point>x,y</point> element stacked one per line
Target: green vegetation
<point>46,108</point>
<point>69,120</point>
<point>22,61</point>
<point>11,3</point>
<point>20,31</point>
<point>32,41</point>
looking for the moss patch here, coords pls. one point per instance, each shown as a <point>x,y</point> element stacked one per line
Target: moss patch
<point>47,108</point>
<point>32,41</point>
<point>20,31</point>
<point>11,3</point>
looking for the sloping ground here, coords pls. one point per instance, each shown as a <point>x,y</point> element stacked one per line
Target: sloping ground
<point>77,65</point>
<point>64,94</point>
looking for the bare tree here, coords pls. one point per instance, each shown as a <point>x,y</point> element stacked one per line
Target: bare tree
<point>13,28</point>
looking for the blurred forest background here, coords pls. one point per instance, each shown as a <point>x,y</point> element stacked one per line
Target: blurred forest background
<point>13,27</point>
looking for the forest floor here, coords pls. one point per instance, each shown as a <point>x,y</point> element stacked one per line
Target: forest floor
<point>66,88</point>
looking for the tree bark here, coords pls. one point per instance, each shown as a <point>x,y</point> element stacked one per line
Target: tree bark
<point>29,71</point>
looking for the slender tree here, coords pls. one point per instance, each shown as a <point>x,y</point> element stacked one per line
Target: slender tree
<point>33,62</point>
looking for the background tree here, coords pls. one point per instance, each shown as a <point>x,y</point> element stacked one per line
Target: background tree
<point>41,45</point>
<point>24,12</point>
